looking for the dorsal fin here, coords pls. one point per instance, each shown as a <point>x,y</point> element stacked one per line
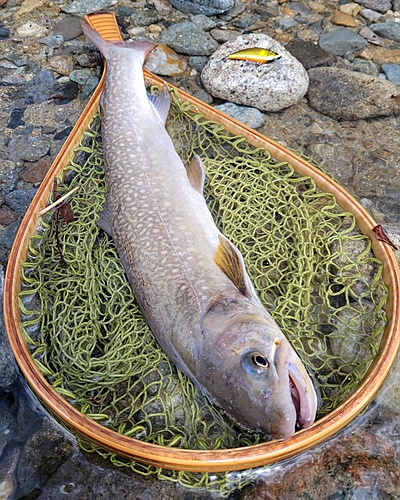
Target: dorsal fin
<point>196,174</point>
<point>161,102</point>
<point>230,261</point>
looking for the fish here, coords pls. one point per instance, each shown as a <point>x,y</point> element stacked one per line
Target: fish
<point>256,55</point>
<point>189,280</point>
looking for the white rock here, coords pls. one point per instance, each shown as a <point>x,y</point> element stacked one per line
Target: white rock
<point>31,29</point>
<point>270,87</point>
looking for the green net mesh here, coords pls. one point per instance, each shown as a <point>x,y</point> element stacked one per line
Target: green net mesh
<point>312,268</point>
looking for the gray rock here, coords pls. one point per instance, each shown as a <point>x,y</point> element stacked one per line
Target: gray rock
<point>90,85</point>
<point>80,76</point>
<point>41,87</point>
<point>145,17</point>
<point>238,8</point>
<point>370,15</point>
<point>203,22</point>
<point>396,4</point>
<point>48,448</point>
<point>8,175</point>
<point>223,36</point>
<point>206,7</point>
<point>53,41</point>
<point>251,117</point>
<point>8,236</point>
<point>69,28</point>
<point>4,32</point>
<point>392,72</point>
<point>367,67</point>
<point>197,62</point>
<point>341,40</point>
<point>348,95</point>
<point>8,366</point>
<point>389,30</point>
<point>187,38</point>
<point>285,23</point>
<point>378,5</point>
<point>309,54</point>
<point>268,87</point>
<point>20,200</point>
<point>87,6</point>
<point>30,148</point>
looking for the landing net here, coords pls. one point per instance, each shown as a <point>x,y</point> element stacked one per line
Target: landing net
<point>311,266</point>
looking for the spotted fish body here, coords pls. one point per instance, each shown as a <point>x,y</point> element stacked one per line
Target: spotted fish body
<point>188,279</point>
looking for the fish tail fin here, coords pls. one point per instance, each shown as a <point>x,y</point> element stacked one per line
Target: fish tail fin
<point>142,47</point>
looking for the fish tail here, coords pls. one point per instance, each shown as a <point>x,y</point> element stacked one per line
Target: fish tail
<point>142,48</point>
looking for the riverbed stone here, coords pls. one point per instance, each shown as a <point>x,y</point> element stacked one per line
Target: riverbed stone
<point>309,54</point>
<point>378,5</point>
<point>268,87</point>
<point>83,7</point>
<point>145,17</point>
<point>20,200</point>
<point>341,40</point>
<point>206,7</point>
<point>165,61</point>
<point>187,38</point>
<point>392,72</point>
<point>387,29</point>
<point>349,95</point>
<point>251,117</point>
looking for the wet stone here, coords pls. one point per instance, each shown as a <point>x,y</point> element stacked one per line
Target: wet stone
<point>90,85</point>
<point>69,28</point>
<point>309,54</point>
<point>125,11</point>
<point>251,117</point>
<point>206,7</point>
<point>143,17</point>
<point>326,94</point>
<point>187,38</point>
<point>53,41</point>
<point>388,29</point>
<point>87,6</point>
<point>63,134</point>
<point>80,76</point>
<point>164,61</point>
<point>20,200</point>
<point>36,172</point>
<point>341,40</point>
<point>63,65</point>
<point>30,148</point>
<point>197,62</point>
<point>7,216</point>
<point>367,67</point>
<point>8,236</point>
<point>203,22</point>
<point>370,15</point>
<point>4,32</point>
<point>392,72</point>
<point>16,118</point>
<point>378,5</point>
<point>8,176</point>
<point>41,87</point>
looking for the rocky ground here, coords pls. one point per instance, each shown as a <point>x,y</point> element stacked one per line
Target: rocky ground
<point>347,121</point>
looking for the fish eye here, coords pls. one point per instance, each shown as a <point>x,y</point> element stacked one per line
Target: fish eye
<point>255,363</point>
<point>259,360</point>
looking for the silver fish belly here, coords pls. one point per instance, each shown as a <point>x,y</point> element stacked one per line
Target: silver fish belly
<point>189,280</point>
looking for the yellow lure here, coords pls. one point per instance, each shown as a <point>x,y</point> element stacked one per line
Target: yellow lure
<point>255,54</point>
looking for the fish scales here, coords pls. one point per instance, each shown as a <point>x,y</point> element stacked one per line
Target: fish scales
<point>151,224</point>
<point>189,280</point>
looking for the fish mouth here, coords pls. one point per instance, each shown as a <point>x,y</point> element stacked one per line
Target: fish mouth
<point>303,395</point>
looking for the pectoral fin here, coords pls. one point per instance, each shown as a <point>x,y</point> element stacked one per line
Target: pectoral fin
<point>230,261</point>
<point>196,174</point>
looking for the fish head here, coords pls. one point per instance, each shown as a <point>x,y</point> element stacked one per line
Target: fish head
<point>252,369</point>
